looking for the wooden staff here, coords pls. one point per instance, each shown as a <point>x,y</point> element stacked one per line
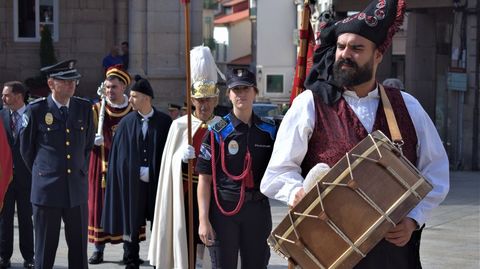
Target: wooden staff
<point>186,4</point>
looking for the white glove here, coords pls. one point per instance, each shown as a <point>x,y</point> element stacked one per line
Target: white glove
<point>188,153</point>
<point>144,175</point>
<point>98,140</point>
<point>314,175</point>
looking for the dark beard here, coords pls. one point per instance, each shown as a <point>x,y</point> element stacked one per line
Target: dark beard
<point>352,77</point>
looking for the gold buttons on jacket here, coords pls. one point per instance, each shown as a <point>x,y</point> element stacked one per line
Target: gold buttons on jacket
<point>68,131</point>
<point>67,143</point>
<point>69,171</point>
<point>68,156</point>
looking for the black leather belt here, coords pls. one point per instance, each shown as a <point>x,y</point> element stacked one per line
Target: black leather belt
<point>234,197</point>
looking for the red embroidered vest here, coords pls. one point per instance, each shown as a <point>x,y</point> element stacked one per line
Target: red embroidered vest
<point>337,130</point>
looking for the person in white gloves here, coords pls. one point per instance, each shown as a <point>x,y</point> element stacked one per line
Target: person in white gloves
<point>168,243</point>
<point>116,107</point>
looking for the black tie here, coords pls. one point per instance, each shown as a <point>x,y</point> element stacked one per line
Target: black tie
<point>64,111</point>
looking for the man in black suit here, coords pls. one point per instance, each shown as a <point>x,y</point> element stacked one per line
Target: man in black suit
<point>55,143</point>
<point>13,96</point>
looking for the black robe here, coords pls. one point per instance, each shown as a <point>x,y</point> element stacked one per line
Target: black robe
<point>123,174</point>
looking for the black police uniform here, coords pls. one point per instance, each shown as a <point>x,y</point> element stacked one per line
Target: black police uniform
<point>18,193</point>
<point>247,230</point>
<point>55,147</point>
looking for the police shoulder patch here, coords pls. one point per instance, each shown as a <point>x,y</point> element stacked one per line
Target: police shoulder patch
<point>219,125</point>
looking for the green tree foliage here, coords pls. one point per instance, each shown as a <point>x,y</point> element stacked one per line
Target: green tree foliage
<point>47,52</point>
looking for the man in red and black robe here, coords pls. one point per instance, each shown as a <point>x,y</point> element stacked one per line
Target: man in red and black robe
<point>116,107</point>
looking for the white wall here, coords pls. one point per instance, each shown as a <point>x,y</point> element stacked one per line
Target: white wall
<point>240,40</point>
<point>276,52</point>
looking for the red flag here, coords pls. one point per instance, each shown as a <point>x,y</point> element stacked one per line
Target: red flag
<point>6,164</point>
<point>185,1</point>
<point>305,53</point>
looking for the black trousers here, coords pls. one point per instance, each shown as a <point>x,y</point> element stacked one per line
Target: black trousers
<point>131,249</point>
<point>246,232</point>
<point>21,197</point>
<point>387,255</point>
<point>47,222</point>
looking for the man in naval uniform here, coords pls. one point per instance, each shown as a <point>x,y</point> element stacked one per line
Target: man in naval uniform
<point>55,143</point>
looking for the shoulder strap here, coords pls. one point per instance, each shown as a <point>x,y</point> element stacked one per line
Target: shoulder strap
<point>391,120</point>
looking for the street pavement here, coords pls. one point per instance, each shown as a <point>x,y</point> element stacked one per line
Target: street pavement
<point>451,238</point>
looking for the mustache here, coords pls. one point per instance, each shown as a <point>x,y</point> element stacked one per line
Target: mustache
<point>346,62</point>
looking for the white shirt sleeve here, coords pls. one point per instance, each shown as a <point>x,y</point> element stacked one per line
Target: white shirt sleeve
<point>432,160</point>
<point>283,177</point>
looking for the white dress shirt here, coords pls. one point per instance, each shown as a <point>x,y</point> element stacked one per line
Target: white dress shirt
<point>283,177</point>
<point>144,171</point>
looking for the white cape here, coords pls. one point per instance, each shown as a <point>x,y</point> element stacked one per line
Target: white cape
<point>168,242</point>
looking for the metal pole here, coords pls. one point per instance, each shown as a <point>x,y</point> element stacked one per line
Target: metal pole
<point>476,111</point>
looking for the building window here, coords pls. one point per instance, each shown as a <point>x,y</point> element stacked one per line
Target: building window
<point>32,16</point>
<point>274,83</point>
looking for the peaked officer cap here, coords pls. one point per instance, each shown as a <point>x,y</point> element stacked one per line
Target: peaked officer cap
<point>64,70</point>
<point>240,77</point>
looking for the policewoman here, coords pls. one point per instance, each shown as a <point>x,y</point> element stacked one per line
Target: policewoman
<point>234,216</point>
<point>55,143</point>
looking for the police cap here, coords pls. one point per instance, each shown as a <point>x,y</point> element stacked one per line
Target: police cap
<point>64,70</point>
<point>240,77</point>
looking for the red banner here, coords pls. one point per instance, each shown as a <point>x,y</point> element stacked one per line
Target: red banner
<point>305,53</point>
<point>6,164</point>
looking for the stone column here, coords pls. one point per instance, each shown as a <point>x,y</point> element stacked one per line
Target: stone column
<point>137,24</point>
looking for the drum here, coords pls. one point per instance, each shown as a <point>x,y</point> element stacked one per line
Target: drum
<point>351,208</point>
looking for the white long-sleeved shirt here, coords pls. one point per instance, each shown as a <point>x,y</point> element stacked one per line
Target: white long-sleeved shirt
<point>283,177</point>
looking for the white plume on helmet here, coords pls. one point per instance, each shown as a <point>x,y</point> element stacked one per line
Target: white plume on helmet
<point>204,73</point>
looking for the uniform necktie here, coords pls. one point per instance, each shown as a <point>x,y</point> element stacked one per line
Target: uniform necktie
<point>14,123</point>
<point>64,111</point>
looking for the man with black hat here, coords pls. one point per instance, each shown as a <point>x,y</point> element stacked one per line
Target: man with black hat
<point>340,108</point>
<point>55,143</point>
<point>133,168</point>
<point>174,111</point>
<point>116,107</point>
<point>13,96</point>
<point>233,157</point>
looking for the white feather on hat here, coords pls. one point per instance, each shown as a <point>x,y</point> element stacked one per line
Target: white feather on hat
<point>202,65</point>
<point>203,71</point>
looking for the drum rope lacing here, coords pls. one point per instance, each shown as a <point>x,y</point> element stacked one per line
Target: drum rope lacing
<point>353,186</point>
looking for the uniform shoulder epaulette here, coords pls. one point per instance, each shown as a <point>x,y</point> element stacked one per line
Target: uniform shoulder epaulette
<point>38,100</point>
<point>267,120</point>
<point>82,99</point>
<point>220,125</point>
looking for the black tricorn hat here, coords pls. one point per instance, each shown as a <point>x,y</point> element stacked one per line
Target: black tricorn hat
<point>142,85</point>
<point>378,22</point>
<point>64,70</point>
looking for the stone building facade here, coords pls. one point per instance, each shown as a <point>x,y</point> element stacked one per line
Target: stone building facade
<point>86,30</point>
